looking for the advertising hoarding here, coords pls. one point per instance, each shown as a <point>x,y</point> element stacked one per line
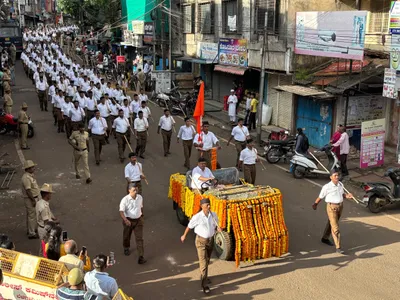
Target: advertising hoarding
<point>339,34</point>
<point>372,143</point>
<point>148,32</point>
<point>232,52</point>
<point>207,51</point>
<point>394,17</point>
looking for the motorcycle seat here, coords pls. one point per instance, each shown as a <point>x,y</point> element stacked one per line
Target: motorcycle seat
<point>281,143</point>
<point>385,184</point>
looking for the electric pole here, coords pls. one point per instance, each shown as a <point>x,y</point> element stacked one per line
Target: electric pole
<point>262,78</point>
<point>162,37</point>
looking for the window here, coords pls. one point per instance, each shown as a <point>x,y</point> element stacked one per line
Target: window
<point>8,32</point>
<point>377,22</point>
<point>267,9</point>
<point>230,16</point>
<point>187,14</point>
<point>206,17</point>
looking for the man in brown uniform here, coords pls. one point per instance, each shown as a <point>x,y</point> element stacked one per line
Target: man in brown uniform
<point>23,120</point>
<point>43,211</point>
<point>79,140</point>
<point>8,102</point>
<point>6,79</point>
<point>30,191</point>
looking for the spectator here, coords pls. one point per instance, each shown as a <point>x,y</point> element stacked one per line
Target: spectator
<point>6,243</point>
<point>75,290</point>
<point>47,228</point>
<point>302,144</point>
<point>98,282</point>
<point>54,247</point>
<point>71,260</point>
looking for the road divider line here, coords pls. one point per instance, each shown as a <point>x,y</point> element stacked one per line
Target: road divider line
<point>19,152</point>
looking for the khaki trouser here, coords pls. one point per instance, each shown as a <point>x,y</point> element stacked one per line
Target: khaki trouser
<point>24,135</point>
<point>334,212</point>
<point>31,220</point>
<point>249,173</point>
<point>98,142</point>
<point>204,250</point>
<point>239,147</point>
<point>187,151</point>
<point>78,155</point>
<point>7,109</point>
<point>137,228</point>
<point>141,143</point>
<point>207,156</point>
<point>42,100</point>
<point>166,135</point>
<point>122,143</point>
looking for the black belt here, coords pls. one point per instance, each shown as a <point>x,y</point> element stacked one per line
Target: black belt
<point>240,141</point>
<point>135,181</point>
<point>91,110</point>
<point>166,130</point>
<point>40,226</point>
<point>250,164</point>
<point>123,133</point>
<point>21,123</point>
<point>81,150</point>
<point>42,91</point>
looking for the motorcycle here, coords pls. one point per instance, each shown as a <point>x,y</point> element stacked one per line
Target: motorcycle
<point>275,150</point>
<point>302,165</point>
<point>380,194</point>
<point>8,123</point>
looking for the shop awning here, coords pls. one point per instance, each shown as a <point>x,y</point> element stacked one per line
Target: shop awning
<point>230,69</point>
<point>204,61</point>
<point>304,91</point>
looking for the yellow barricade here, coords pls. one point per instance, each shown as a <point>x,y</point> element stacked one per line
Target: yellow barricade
<point>120,295</point>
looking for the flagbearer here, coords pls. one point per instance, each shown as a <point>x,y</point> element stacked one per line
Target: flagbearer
<point>186,134</point>
<point>204,142</point>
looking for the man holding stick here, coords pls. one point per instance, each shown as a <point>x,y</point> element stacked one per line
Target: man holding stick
<point>166,124</point>
<point>134,173</point>
<point>121,127</point>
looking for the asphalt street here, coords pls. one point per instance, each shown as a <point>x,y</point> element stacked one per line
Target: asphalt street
<point>311,270</point>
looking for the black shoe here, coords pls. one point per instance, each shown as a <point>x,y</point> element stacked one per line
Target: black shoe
<point>339,251</point>
<point>45,109</point>
<point>127,252</point>
<point>26,148</point>
<point>141,260</point>
<point>77,176</point>
<point>97,162</point>
<point>168,152</point>
<point>165,154</point>
<point>58,130</point>
<point>327,241</point>
<point>88,180</point>
<point>121,160</point>
<point>107,141</point>
<point>62,130</point>
<point>206,290</point>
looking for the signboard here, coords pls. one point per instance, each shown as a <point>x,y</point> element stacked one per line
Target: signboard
<point>372,143</point>
<point>364,108</point>
<point>394,17</point>
<point>148,32</point>
<point>338,34</point>
<point>138,27</point>
<point>389,84</point>
<point>15,288</point>
<point>120,59</point>
<point>395,52</point>
<point>232,52</point>
<point>207,51</point>
<point>128,38</point>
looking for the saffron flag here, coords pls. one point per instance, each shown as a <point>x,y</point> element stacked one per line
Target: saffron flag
<point>199,110</point>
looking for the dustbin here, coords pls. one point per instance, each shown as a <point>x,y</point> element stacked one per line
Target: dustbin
<point>226,102</point>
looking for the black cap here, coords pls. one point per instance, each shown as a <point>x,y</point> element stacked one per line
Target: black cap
<point>205,201</point>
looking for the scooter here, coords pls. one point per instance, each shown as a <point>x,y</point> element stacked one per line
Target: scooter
<point>302,165</point>
<point>8,123</point>
<point>380,194</point>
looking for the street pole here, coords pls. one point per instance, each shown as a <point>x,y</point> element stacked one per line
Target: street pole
<point>162,38</point>
<point>261,89</point>
<point>170,37</point>
<point>346,106</point>
<point>34,13</point>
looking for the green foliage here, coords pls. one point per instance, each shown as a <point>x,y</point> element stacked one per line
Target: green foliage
<point>302,74</point>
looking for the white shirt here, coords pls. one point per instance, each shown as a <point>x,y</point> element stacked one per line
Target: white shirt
<point>344,143</point>
<point>146,111</point>
<point>66,107</point>
<point>121,125</point>
<point>104,110</point>
<point>76,114</point>
<point>90,104</point>
<point>166,123</point>
<point>133,172</point>
<point>203,225</point>
<point>197,173</point>
<point>52,91</point>
<point>185,133</point>
<point>248,103</point>
<point>96,93</point>
<point>114,108</point>
<point>332,193</point>
<point>143,97</point>
<point>98,126</point>
<point>232,99</point>
<point>132,208</point>
<point>240,133</point>
<point>134,106</point>
<point>100,283</point>
<point>41,85</point>
<point>127,111</point>
<point>208,140</point>
<point>248,157</point>
<point>140,125</point>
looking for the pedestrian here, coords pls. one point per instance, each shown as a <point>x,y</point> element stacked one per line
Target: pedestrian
<point>41,89</point>
<point>143,96</point>
<point>77,116</point>
<point>105,111</point>
<point>204,223</point>
<point>204,142</point>
<point>134,173</point>
<point>75,289</point>
<point>186,133</point>
<point>131,212</point>
<point>79,140</point>
<point>121,126</point>
<point>248,157</point>
<point>248,108</point>
<point>31,192</point>
<point>333,194</point>
<point>335,137</point>
<point>141,76</point>
<point>166,124</point>
<point>232,101</point>
<point>43,211</point>
<point>302,144</point>
<point>253,112</point>
<point>240,134</point>
<point>8,102</point>
<point>66,107</point>
<point>141,127</point>
<point>98,282</point>
<point>72,260</point>
<point>344,145</point>
<point>23,120</point>
<point>55,246</point>
<point>98,130</point>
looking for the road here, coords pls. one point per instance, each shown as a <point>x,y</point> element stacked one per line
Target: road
<point>90,215</point>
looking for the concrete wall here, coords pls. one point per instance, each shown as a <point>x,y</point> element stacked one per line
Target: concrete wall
<point>281,102</point>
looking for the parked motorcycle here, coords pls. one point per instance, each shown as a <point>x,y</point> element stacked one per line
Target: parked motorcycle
<point>8,123</point>
<point>380,194</point>
<point>275,150</point>
<point>302,165</point>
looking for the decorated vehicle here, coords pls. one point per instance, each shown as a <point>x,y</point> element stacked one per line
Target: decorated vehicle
<point>251,216</point>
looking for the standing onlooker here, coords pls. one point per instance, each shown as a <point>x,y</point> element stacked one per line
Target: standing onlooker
<point>204,224</point>
<point>186,134</point>
<point>55,247</point>
<point>302,144</point>
<point>30,190</point>
<point>131,212</point>
<point>343,142</point>
<point>13,53</point>
<point>333,193</point>
<point>336,136</point>
<point>98,282</point>
<point>248,157</point>
<point>141,76</point>
<point>8,102</point>
<point>240,134</point>
<point>253,112</point>
<point>79,140</point>
<point>134,173</point>
<point>23,120</point>
<point>75,290</point>
<point>71,260</point>
<point>166,124</point>
<point>248,108</point>
<point>43,211</point>
<point>232,101</point>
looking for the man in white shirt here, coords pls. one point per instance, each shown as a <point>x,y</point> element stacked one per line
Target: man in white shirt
<point>232,101</point>
<point>240,134</point>
<point>134,172</point>
<point>131,212</point>
<point>134,106</point>
<point>143,96</point>
<point>333,193</point>
<point>77,115</point>
<point>344,144</point>
<point>166,124</point>
<point>98,130</point>
<point>104,108</point>
<point>204,142</point>
<point>146,110</point>
<point>41,88</point>
<point>141,127</point>
<point>186,134</point>
<point>248,158</point>
<point>65,109</point>
<point>127,110</point>
<point>202,177</point>
<point>90,104</point>
<point>121,130</point>
<point>204,223</point>
<point>114,108</point>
